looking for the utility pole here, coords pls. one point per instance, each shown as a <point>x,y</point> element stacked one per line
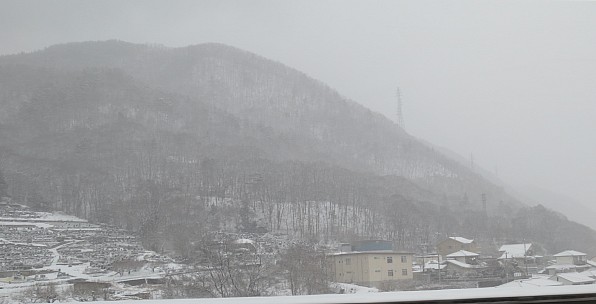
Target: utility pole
<point>506,270</point>
<point>525,257</point>
<point>438,262</point>
<point>439,265</point>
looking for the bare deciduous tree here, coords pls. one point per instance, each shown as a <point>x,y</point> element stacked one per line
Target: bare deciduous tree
<point>305,269</point>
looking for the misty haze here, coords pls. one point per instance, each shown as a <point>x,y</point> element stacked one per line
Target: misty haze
<point>389,150</point>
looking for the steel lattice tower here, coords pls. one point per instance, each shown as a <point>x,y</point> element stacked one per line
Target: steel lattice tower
<point>400,114</point>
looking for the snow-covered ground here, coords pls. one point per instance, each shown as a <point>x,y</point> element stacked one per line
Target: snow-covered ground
<point>351,288</point>
<point>420,296</point>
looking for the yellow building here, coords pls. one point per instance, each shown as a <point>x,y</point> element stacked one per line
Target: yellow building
<point>372,268</point>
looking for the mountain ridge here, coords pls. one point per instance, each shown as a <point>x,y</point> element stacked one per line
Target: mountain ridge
<point>382,144</point>
<point>112,130</point>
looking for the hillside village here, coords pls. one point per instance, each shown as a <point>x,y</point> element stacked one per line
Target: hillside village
<point>40,248</point>
<point>53,256</point>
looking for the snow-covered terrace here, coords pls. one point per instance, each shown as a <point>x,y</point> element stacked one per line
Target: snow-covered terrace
<point>16,223</point>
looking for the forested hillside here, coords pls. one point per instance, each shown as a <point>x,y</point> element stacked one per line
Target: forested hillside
<point>174,143</point>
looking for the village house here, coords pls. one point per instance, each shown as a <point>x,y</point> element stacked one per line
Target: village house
<point>463,263</point>
<point>573,278</point>
<point>427,263</point>
<point>456,243</point>
<point>456,269</point>
<point>463,256</point>
<point>515,251</point>
<point>568,261</point>
<point>522,255</point>
<point>371,263</point>
<point>571,257</point>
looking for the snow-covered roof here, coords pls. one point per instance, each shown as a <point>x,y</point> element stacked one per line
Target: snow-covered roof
<point>531,282</point>
<point>461,239</point>
<point>462,253</point>
<point>462,264</point>
<point>561,267</point>
<point>433,265</point>
<point>514,250</point>
<point>416,268</point>
<point>574,277</point>
<point>372,252</point>
<point>569,253</point>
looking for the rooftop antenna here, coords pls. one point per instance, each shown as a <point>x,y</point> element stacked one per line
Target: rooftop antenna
<point>400,114</point>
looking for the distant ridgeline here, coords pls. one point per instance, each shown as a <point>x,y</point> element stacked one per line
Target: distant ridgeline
<point>209,137</point>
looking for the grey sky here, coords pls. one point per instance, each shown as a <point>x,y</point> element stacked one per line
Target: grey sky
<point>513,82</point>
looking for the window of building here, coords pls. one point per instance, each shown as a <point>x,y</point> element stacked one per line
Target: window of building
<point>404,272</point>
<point>377,270</point>
<point>404,259</point>
<point>389,259</point>
<point>390,272</point>
<point>348,261</point>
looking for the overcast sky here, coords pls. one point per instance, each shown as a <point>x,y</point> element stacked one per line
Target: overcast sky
<point>511,82</point>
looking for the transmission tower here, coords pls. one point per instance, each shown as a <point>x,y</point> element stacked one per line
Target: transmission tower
<point>484,203</point>
<point>400,114</point>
